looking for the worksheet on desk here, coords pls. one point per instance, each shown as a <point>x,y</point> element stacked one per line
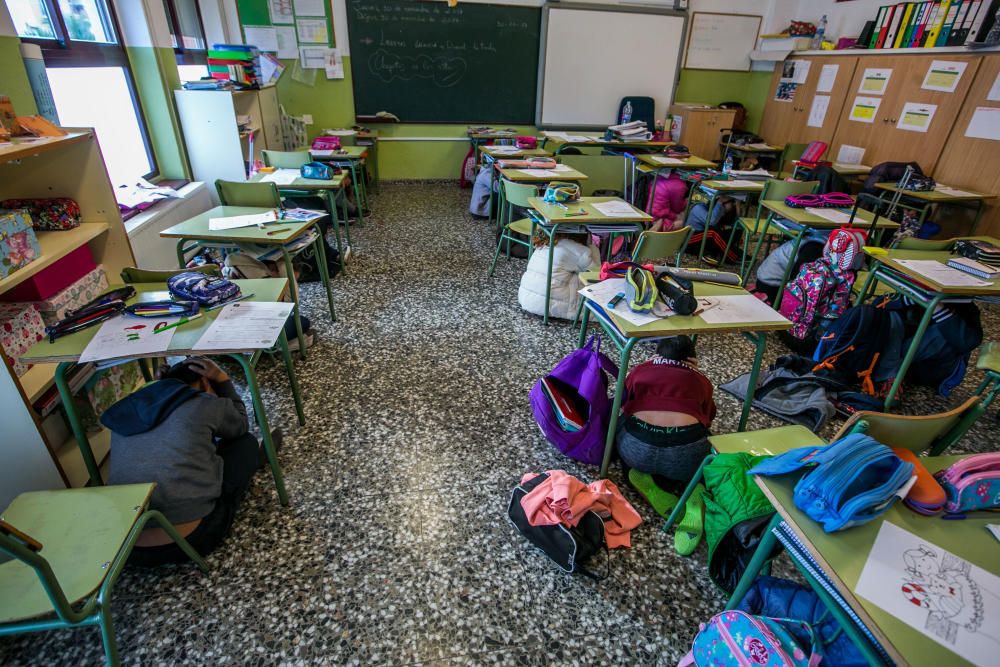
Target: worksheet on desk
<point>237,221</point>
<point>942,274</point>
<point>604,292</point>
<point>123,336</point>
<point>281,176</point>
<point>831,214</point>
<point>542,173</point>
<point>736,309</point>
<point>246,325</point>
<point>616,209</point>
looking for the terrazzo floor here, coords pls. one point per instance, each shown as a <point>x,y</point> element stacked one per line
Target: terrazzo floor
<point>395,549</point>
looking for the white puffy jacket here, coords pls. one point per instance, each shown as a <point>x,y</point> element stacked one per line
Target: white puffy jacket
<point>569,260</point>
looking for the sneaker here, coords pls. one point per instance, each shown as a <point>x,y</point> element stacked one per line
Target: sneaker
<point>277,439</point>
<point>293,344</point>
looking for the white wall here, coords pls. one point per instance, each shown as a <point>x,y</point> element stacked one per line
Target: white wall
<point>844,19</point>
<point>6,24</point>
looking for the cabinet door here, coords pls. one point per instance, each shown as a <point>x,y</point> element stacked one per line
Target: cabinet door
<point>923,147</point>
<point>776,125</point>
<point>270,116</point>
<point>800,129</point>
<point>869,126</point>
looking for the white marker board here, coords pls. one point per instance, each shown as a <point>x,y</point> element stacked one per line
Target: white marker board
<point>589,62</point>
<point>721,41</point>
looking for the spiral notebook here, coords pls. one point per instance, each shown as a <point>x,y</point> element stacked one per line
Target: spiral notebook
<point>974,268</point>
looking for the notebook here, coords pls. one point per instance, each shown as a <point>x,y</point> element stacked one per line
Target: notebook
<point>565,404</point>
<point>975,268</point>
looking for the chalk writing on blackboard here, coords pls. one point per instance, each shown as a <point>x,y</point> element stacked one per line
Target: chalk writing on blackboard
<point>444,71</point>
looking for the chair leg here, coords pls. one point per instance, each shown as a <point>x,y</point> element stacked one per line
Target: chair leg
<point>108,634</point>
<point>579,310</point>
<point>496,255</point>
<point>678,510</point>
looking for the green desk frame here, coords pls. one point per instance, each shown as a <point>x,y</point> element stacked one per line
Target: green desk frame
<point>924,202</point>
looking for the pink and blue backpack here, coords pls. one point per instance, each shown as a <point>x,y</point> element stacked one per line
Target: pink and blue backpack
<point>821,291</point>
<point>738,638</point>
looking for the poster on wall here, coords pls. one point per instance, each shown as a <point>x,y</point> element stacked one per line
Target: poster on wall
<point>795,71</point>
<point>916,117</point>
<point>994,94</point>
<point>985,124</point>
<point>864,109</point>
<point>817,113</point>
<point>312,31</point>
<point>263,37</point>
<point>288,45</point>
<point>785,92</point>
<point>875,80</point>
<point>280,11</point>
<point>944,75</point>
<point>827,77</point>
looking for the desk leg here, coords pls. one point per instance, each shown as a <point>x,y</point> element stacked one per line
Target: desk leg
<point>493,180</point>
<point>925,321</point>
<point>869,285</point>
<point>788,268</point>
<point>66,394</point>
<point>359,202</point>
<point>345,216</point>
<point>331,204</point>
<point>760,557</point>
<point>324,271</point>
<point>180,253</point>
<point>708,226</point>
<point>548,273</point>
<point>980,207</point>
<point>616,404</point>
<point>293,285</point>
<point>265,429</point>
<point>756,250</point>
<point>292,379</point>
<point>584,321</point>
<point>760,340</point>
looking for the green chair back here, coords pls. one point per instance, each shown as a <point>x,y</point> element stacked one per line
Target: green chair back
<point>232,193</point>
<point>790,154</point>
<point>517,194</point>
<point>604,172</point>
<point>777,190</point>
<point>131,274</point>
<point>661,246</point>
<point>285,159</point>
<point>912,243</point>
<point>934,433</point>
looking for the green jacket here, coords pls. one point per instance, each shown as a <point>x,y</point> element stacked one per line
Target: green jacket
<point>736,513</point>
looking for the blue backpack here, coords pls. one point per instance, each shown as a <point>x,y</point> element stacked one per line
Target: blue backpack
<point>738,638</point>
<point>855,479</point>
<point>205,289</point>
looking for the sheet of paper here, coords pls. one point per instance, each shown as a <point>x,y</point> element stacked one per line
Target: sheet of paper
<point>668,160</point>
<point>994,94</point>
<point>309,8</point>
<point>954,192</point>
<point>795,71</point>
<point>603,292</point>
<point>994,530</point>
<point>817,113</point>
<point>736,309</point>
<point>541,173</point>
<point>334,64</point>
<point>562,167</point>
<point>938,594</point>
<point>502,149</point>
<point>246,325</point>
<point>263,37</point>
<point>827,77</point>
<point>128,337</point>
<point>985,124</point>
<point>874,81</point>
<point>312,57</point>
<point>737,183</point>
<point>280,11</point>
<point>311,31</point>
<point>551,134</point>
<point>759,171</point>
<point>831,214</point>
<point>761,146</point>
<point>281,176</point>
<point>237,221</point>
<point>616,209</point>
<point>785,92</point>
<point>865,109</point>
<point>850,154</point>
<point>288,44</point>
<point>941,273</point>
<point>916,117</point>
<point>944,75</point>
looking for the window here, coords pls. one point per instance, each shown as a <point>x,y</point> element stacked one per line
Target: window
<point>186,33</point>
<point>90,78</point>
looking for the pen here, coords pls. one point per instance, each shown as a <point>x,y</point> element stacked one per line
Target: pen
<point>184,320</point>
<point>616,300</point>
<point>277,231</point>
<point>226,303</point>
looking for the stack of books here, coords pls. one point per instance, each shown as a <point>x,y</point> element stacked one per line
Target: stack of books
<point>50,400</point>
<point>636,130</point>
<point>236,63</point>
<point>909,25</point>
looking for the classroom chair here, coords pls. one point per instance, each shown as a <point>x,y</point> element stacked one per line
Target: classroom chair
<point>789,155</point>
<point>514,194</point>
<point>68,547</point>
<point>285,159</point>
<point>132,274</point>
<point>989,363</point>
<point>668,246</point>
<point>261,195</point>
<point>774,189</point>
<point>919,433</point>
<point>604,172</point>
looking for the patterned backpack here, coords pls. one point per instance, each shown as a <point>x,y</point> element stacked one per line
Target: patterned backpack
<point>821,291</point>
<point>738,638</point>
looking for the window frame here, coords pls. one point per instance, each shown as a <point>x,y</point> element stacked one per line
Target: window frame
<point>184,55</point>
<point>63,51</point>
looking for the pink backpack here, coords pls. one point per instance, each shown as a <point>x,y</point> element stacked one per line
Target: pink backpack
<point>820,291</point>
<point>326,142</point>
<point>668,197</point>
<point>468,174</point>
<point>738,638</point>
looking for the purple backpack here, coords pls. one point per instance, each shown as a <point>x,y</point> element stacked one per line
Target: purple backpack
<point>582,371</point>
<point>738,638</point>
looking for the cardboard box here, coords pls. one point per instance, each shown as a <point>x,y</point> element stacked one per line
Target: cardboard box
<point>18,243</point>
<point>21,326</point>
<point>80,292</point>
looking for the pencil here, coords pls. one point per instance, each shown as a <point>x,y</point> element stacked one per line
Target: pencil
<point>184,320</point>
<point>226,303</point>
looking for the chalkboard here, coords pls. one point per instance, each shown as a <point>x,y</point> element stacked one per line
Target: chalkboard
<point>427,62</point>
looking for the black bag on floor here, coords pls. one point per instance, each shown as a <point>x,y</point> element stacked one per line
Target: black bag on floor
<point>308,267</point>
<point>568,547</point>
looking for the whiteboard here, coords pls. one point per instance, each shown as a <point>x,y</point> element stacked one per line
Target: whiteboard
<point>721,41</point>
<point>593,56</point>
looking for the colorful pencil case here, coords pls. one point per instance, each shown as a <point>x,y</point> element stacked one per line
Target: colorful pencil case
<point>972,484</point>
<point>162,309</point>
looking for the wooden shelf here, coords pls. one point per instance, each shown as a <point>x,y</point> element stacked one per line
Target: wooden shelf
<point>55,246</point>
<point>19,149</point>
<point>37,380</point>
<point>71,460</point>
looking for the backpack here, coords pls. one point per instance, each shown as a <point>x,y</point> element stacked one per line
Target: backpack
<point>737,638</point>
<point>853,345</point>
<point>843,247</point>
<point>467,175</point>
<point>812,155</point>
<point>206,290</point>
<point>580,377</point>
<point>887,172</point>
<point>820,291</point>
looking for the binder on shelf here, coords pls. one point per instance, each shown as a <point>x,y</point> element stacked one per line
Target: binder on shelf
<point>918,23</point>
<point>897,19</point>
<point>883,30</point>
<point>935,29</point>
<point>988,21</point>
<point>929,11</point>
<point>970,19</point>
<point>977,22</point>
<point>958,32</point>
<point>877,29</point>
<point>949,23</point>
<point>904,26</point>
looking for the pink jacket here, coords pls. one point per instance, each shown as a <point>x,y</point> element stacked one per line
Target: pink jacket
<point>564,499</point>
<point>668,199</point>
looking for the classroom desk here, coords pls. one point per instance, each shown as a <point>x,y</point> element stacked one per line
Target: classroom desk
<point>750,151</point>
<point>66,352</point>
<point>331,190</point>
<point>196,229</point>
<point>837,560</point>
<point>653,163</point>
<point>923,291</point>
<point>925,201</point>
<point>549,217</point>
<point>716,188</point>
<point>559,145</point>
<point>802,221</point>
<point>353,158</point>
<point>625,336</point>
<point>477,139</point>
<point>492,153</point>
<point>845,170</point>
<point>563,174</point>
<point>369,139</point>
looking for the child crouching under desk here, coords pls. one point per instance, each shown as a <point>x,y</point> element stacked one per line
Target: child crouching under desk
<point>570,258</point>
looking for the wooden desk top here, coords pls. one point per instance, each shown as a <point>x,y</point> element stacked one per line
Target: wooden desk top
<point>521,176</point>
<point>197,228</point>
<point>556,215</point>
<point>803,217</point>
<point>890,258</point>
<point>660,161</point>
<point>300,183</point>
<point>936,195</point>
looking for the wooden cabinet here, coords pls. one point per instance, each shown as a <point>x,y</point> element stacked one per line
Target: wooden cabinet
<point>882,139</point>
<point>702,126</point>
<point>789,121</point>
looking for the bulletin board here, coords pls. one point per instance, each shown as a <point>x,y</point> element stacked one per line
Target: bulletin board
<point>285,13</point>
<point>721,41</point>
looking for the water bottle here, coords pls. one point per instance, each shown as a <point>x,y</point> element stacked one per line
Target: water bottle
<point>817,42</point>
<point>627,112</point>
<point>727,166</point>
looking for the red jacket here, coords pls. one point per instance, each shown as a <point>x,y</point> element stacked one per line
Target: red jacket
<point>667,385</point>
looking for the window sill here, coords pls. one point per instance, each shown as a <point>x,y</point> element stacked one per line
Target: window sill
<point>163,208</point>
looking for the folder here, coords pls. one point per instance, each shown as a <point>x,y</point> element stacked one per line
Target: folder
<point>959,31</point>
<point>911,31</point>
<point>879,18</point>
<point>883,29</point>
<point>965,32</point>
<point>935,29</point>
<point>894,26</point>
<point>982,12</point>
<point>918,35</point>
<point>904,22</point>
<point>949,23</point>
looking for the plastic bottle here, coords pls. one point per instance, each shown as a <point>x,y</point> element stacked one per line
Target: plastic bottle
<point>626,112</point>
<point>727,166</point>
<point>817,42</point>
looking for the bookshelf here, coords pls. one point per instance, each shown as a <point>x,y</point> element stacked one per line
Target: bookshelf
<point>69,166</point>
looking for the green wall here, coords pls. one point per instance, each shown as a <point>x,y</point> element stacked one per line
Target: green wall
<point>155,72</point>
<point>714,86</point>
<point>13,78</point>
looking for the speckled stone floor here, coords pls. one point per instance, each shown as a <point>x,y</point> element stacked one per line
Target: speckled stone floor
<point>395,549</point>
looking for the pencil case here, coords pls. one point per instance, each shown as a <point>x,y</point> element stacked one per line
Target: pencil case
<point>206,290</point>
<point>526,142</point>
<point>926,496</point>
<point>56,214</point>
<point>972,484</point>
